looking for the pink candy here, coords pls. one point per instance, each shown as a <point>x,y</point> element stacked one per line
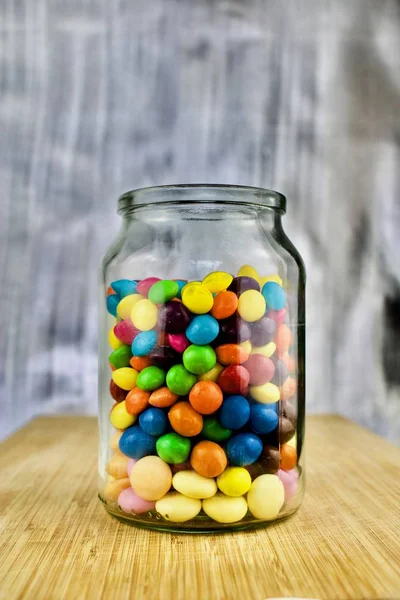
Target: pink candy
<point>178,341</point>
<point>126,332</point>
<point>277,315</point>
<point>144,286</point>
<point>130,502</point>
<point>130,465</point>
<point>289,480</point>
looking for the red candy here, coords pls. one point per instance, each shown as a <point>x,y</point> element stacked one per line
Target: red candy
<point>260,368</point>
<point>126,332</point>
<point>117,393</point>
<point>234,379</point>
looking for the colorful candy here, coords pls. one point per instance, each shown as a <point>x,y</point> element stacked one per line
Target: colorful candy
<point>151,478</point>
<point>266,497</point>
<point>193,485</point>
<point>202,372</point>
<point>173,448</point>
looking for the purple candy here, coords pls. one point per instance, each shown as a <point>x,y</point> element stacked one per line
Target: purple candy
<point>129,502</point>
<point>173,317</point>
<point>242,284</point>
<point>281,373</point>
<point>164,357</point>
<point>234,330</point>
<point>263,331</point>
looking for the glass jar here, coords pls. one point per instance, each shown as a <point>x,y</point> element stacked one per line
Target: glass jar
<point>202,378</point>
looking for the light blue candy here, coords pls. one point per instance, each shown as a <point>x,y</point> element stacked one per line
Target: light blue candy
<point>144,343</point>
<point>112,303</point>
<point>153,421</point>
<point>181,284</point>
<point>136,443</point>
<point>235,412</point>
<point>263,418</point>
<point>274,295</point>
<point>243,449</point>
<point>202,330</point>
<point>124,287</point>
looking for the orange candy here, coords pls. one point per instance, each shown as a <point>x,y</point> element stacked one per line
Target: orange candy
<point>136,401</point>
<point>283,339</point>
<point>185,420</point>
<point>288,389</point>
<point>140,362</point>
<point>288,457</point>
<point>225,305</point>
<point>208,459</point>
<point>206,397</point>
<point>110,290</point>
<point>231,354</point>
<point>163,397</point>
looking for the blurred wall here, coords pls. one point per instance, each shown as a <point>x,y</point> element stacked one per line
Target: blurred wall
<point>99,97</point>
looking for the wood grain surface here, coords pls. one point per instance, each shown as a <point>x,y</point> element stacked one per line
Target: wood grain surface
<point>57,542</point>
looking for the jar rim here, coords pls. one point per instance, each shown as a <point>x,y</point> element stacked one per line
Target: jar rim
<point>201,193</point>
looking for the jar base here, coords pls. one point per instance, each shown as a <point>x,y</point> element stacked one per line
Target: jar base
<point>202,524</point>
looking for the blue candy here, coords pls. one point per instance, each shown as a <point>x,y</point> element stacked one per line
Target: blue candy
<point>243,449</point>
<point>263,418</point>
<point>181,283</point>
<point>235,412</point>
<point>153,421</point>
<point>202,330</point>
<point>136,443</point>
<point>124,287</point>
<point>112,303</point>
<point>144,343</point>
<point>274,295</point>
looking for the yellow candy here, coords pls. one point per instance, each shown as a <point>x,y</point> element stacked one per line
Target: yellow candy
<point>197,298</point>
<point>178,508</point>
<point>217,281</point>
<point>293,442</point>
<point>234,481</point>
<point>266,496</point>
<point>225,509</point>
<point>274,278</point>
<point>266,350</point>
<point>190,284</point>
<point>120,417</point>
<point>114,342</point>
<point>125,306</point>
<point>125,378</point>
<point>268,393</point>
<point>246,346</point>
<point>213,374</point>
<point>144,315</point>
<point>251,306</point>
<point>248,271</point>
<point>114,487</point>
<point>117,466</point>
<point>193,485</point>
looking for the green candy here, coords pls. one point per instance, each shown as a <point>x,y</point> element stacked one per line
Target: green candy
<point>173,448</point>
<point>163,291</point>
<point>120,357</point>
<point>199,359</point>
<point>212,430</point>
<point>179,380</point>
<point>151,378</point>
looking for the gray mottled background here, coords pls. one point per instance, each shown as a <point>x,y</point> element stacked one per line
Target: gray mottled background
<point>100,96</point>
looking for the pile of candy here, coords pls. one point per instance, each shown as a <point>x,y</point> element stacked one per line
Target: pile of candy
<point>201,378</point>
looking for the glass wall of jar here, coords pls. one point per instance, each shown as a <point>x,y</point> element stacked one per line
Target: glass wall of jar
<point>202,347</point>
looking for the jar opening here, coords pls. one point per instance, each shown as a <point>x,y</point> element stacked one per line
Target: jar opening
<point>223,194</point>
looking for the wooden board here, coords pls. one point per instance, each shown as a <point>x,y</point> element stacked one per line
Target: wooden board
<point>57,541</point>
